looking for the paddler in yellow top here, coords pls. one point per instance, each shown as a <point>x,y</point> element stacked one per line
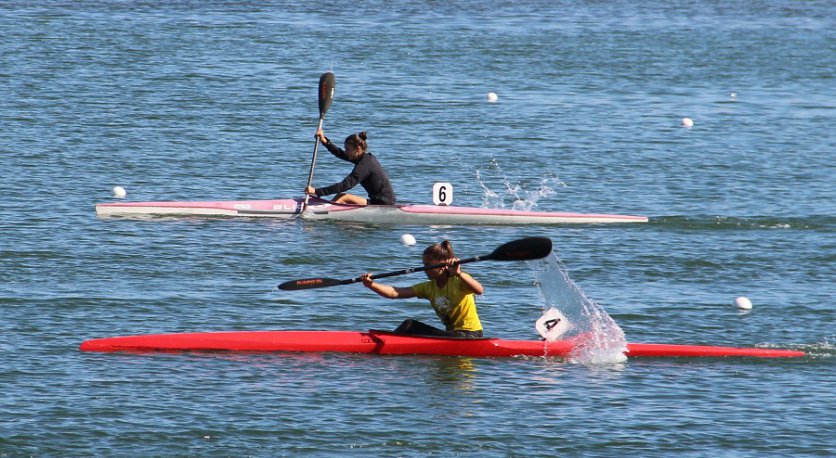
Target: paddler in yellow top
<point>451,293</point>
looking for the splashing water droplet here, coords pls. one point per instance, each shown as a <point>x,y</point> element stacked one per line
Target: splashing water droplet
<point>602,340</point>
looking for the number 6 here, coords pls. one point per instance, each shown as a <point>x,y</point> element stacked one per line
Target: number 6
<point>442,193</point>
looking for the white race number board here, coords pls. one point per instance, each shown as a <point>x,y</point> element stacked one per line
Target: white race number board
<point>442,194</point>
<point>552,324</point>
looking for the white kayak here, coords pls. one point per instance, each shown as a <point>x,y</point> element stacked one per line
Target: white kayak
<point>319,209</point>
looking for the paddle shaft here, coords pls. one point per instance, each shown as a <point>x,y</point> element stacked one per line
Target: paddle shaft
<point>326,95</point>
<point>518,250</point>
<point>420,269</point>
<point>310,283</point>
<point>313,161</point>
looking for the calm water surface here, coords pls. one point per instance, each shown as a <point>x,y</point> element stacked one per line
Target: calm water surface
<point>217,100</point>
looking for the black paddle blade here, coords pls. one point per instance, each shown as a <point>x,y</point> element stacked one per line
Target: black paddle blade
<point>309,283</point>
<point>522,249</point>
<point>326,92</point>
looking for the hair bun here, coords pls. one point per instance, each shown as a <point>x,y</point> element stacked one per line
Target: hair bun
<point>363,135</point>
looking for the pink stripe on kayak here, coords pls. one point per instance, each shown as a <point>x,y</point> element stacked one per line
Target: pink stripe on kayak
<point>443,210</point>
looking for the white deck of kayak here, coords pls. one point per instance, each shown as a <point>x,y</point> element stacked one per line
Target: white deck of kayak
<point>374,214</point>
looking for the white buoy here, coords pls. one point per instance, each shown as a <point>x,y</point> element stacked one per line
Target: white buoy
<point>733,95</point>
<point>492,97</point>
<point>408,239</point>
<point>119,192</point>
<point>743,303</point>
<point>687,122</point>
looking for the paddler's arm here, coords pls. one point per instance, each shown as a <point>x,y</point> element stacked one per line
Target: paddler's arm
<point>348,182</point>
<point>455,270</point>
<point>332,148</point>
<point>474,286</point>
<point>387,291</point>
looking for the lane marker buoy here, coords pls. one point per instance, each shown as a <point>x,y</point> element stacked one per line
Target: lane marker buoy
<point>743,303</point>
<point>408,239</point>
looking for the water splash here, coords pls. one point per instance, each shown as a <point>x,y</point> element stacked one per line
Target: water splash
<point>520,197</point>
<point>603,341</point>
<point>826,349</point>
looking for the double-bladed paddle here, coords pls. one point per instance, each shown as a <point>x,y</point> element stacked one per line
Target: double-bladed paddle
<point>518,250</point>
<point>326,95</point>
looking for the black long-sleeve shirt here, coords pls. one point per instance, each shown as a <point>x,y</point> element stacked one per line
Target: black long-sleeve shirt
<point>368,172</point>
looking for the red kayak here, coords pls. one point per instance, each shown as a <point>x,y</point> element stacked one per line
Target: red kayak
<point>387,343</point>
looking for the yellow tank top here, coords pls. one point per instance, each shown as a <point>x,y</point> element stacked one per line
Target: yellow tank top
<point>453,303</point>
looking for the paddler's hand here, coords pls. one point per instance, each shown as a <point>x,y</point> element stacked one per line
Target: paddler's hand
<point>321,136</point>
<point>367,280</point>
<point>454,268</point>
<point>310,191</point>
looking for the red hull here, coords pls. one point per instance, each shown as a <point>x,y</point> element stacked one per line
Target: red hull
<point>385,343</point>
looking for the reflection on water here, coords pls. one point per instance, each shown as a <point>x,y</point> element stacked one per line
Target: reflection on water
<point>458,373</point>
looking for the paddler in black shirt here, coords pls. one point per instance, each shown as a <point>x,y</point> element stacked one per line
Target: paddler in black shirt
<point>367,171</point>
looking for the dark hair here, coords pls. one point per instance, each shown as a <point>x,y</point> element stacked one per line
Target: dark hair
<point>357,140</point>
<point>440,251</point>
